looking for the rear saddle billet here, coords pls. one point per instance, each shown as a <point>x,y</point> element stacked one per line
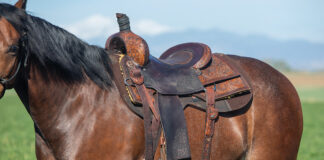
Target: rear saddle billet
<point>158,90</point>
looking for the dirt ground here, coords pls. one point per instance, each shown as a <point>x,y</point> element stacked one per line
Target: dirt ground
<point>306,80</point>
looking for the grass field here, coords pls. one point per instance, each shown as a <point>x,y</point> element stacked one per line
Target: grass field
<point>313,136</point>
<point>17,135</point>
<point>16,130</point>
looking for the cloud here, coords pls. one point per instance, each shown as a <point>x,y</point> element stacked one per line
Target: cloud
<point>93,27</point>
<point>150,28</point>
<point>98,25</point>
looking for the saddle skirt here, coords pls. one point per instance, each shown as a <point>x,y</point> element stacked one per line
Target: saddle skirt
<point>232,90</point>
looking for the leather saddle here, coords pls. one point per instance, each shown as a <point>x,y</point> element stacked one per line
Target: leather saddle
<point>158,90</point>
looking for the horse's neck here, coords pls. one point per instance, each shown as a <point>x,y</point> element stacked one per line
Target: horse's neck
<point>71,113</point>
<point>50,99</point>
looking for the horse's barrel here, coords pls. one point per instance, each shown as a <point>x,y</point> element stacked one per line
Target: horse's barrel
<point>127,42</point>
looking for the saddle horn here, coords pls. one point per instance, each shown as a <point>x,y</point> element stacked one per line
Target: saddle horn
<point>123,22</point>
<point>127,42</point>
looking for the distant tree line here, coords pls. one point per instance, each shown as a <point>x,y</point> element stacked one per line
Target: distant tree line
<point>280,65</point>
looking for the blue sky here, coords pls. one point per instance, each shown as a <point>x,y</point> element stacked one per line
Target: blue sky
<point>280,20</point>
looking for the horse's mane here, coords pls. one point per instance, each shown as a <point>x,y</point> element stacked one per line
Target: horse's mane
<point>57,53</point>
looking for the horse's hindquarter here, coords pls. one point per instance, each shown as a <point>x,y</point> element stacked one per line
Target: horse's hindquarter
<point>276,110</point>
<point>270,128</point>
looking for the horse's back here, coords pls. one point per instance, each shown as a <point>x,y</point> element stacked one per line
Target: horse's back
<point>270,127</point>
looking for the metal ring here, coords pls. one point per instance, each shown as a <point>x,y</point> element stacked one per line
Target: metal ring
<point>126,82</point>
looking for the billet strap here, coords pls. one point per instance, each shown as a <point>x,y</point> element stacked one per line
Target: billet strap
<point>148,108</point>
<point>156,127</point>
<point>211,116</point>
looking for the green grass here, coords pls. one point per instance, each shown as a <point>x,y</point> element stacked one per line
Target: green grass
<point>313,134</point>
<point>16,130</point>
<point>17,135</point>
<point>311,94</point>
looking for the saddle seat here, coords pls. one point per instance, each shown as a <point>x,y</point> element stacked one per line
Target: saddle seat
<point>195,55</point>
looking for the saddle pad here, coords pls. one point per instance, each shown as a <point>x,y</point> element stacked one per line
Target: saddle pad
<point>119,76</point>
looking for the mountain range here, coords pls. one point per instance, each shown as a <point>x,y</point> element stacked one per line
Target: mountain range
<point>298,54</point>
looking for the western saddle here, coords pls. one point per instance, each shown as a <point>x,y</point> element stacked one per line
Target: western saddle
<point>158,90</point>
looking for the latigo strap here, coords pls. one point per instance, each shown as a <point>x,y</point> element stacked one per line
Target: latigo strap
<point>148,106</point>
<point>211,116</point>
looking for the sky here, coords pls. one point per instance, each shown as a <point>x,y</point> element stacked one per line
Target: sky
<point>281,20</point>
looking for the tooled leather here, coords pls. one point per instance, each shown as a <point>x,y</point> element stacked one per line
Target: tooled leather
<point>134,46</point>
<point>229,84</point>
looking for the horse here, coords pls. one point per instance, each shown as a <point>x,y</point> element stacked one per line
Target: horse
<point>69,91</point>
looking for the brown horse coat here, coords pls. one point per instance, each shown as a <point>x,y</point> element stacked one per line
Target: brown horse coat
<point>93,123</point>
<point>84,120</point>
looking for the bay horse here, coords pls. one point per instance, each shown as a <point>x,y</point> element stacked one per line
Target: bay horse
<point>67,88</point>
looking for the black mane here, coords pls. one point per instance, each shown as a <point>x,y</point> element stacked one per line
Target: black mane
<point>57,53</point>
